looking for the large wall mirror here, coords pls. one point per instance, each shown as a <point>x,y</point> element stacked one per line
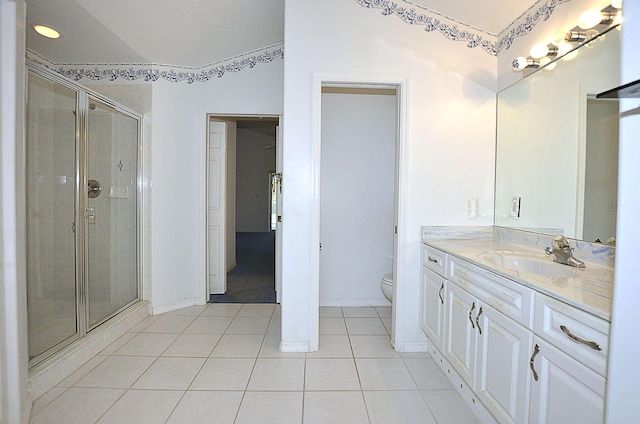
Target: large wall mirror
<point>557,146</point>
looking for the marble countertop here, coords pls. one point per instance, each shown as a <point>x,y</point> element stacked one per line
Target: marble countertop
<point>590,288</point>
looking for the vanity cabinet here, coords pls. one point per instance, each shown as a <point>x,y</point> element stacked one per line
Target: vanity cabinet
<point>460,332</point>
<point>502,381</point>
<point>432,296</point>
<point>528,358</point>
<point>562,389</point>
<point>486,348</point>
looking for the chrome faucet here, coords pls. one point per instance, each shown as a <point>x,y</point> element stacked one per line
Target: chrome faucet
<point>563,252</point>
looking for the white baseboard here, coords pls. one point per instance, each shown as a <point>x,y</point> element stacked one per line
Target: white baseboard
<point>413,347</point>
<point>293,347</point>
<point>355,302</point>
<point>157,310</point>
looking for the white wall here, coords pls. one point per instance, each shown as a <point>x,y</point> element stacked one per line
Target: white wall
<point>179,125</point>
<point>254,162</point>
<point>357,175</point>
<point>624,367</point>
<point>448,132</point>
<point>15,403</point>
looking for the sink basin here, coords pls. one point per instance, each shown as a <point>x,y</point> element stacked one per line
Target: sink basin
<point>528,263</point>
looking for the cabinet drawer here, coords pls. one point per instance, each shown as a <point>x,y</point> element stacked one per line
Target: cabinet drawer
<point>434,259</point>
<point>579,334</point>
<point>512,299</point>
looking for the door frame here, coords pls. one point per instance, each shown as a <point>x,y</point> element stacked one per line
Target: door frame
<point>208,116</point>
<point>400,83</point>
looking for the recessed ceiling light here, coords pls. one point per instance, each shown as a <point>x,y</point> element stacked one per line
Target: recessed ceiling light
<point>46,31</point>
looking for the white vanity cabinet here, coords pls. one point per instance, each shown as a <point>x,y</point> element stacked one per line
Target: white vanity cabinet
<point>460,332</point>
<point>562,389</point>
<point>487,349</point>
<point>502,381</point>
<point>432,296</point>
<point>568,364</point>
<point>527,357</point>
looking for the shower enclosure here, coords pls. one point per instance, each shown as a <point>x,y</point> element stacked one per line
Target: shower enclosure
<point>82,201</point>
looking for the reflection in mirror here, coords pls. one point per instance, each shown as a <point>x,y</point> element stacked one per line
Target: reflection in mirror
<point>556,149</point>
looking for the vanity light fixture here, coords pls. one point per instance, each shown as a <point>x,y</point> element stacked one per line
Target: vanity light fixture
<point>46,31</point>
<point>541,55</point>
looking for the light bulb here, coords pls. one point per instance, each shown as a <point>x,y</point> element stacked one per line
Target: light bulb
<point>539,50</point>
<point>590,18</point>
<point>519,63</point>
<point>617,4</point>
<point>558,37</point>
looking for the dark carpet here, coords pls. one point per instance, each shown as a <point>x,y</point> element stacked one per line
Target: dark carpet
<point>253,278</point>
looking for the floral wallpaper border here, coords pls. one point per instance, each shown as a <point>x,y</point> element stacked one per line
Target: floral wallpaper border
<point>155,72</point>
<point>431,20</point>
<point>455,30</point>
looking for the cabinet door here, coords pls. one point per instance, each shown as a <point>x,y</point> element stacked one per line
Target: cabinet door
<point>432,292</point>
<point>460,331</point>
<point>502,377</point>
<point>565,390</point>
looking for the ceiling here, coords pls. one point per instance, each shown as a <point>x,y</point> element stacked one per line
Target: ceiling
<point>198,32</point>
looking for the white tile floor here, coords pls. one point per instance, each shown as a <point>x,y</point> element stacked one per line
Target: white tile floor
<point>220,363</point>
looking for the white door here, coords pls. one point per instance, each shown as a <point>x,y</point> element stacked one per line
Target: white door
<point>460,331</point>
<point>278,264</point>
<point>217,207</point>
<point>502,377</point>
<point>563,390</point>
<point>432,313</point>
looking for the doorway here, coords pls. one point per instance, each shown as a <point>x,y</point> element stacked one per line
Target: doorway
<point>251,178</point>
<point>82,198</point>
<point>357,194</point>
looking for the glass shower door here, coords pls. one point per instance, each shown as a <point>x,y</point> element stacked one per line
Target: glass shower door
<point>111,211</point>
<point>51,215</point>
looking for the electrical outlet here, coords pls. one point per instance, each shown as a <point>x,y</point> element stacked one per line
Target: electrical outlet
<point>474,210</point>
<point>514,208</point>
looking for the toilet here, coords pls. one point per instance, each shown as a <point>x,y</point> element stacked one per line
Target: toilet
<point>387,286</point>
